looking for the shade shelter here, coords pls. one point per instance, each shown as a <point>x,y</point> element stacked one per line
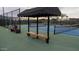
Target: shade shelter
<point>41,12</point>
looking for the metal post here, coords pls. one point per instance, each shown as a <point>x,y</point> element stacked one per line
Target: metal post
<point>28,25</point>
<point>54,29</point>
<point>7,20</point>
<point>11,18</point>
<point>37,27</point>
<point>55,25</point>
<point>19,21</point>
<point>3,17</point>
<point>47,41</point>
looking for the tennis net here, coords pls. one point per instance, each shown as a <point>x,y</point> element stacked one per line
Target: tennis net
<point>65,28</point>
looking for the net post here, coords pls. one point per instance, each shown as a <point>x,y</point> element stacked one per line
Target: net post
<point>47,41</point>
<point>55,26</point>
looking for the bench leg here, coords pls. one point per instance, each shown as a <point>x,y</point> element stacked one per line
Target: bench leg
<point>47,41</point>
<point>28,34</point>
<point>37,37</point>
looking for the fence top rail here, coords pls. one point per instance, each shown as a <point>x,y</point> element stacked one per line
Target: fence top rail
<point>12,11</point>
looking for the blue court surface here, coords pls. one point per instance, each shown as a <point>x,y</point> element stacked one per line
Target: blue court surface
<point>58,29</point>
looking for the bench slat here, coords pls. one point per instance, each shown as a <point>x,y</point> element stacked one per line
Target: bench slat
<point>40,36</point>
<point>32,34</point>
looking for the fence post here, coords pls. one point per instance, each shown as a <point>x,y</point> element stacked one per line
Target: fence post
<point>19,21</point>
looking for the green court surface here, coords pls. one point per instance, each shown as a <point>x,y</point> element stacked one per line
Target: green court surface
<point>10,41</point>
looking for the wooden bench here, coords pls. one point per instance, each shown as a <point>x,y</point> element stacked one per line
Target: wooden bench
<point>42,37</point>
<point>32,34</point>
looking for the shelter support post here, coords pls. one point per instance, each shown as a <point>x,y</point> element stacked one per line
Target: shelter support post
<point>37,28</point>
<point>28,25</point>
<point>47,41</point>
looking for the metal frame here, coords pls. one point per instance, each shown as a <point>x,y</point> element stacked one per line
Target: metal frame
<point>11,20</point>
<point>37,30</point>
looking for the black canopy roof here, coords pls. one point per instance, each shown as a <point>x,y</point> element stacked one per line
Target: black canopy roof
<point>40,12</point>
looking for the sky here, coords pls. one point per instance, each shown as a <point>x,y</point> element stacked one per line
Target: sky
<point>8,9</point>
<point>71,12</point>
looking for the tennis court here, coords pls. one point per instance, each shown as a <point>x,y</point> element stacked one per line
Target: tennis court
<point>73,31</point>
<point>67,40</point>
<point>21,42</point>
